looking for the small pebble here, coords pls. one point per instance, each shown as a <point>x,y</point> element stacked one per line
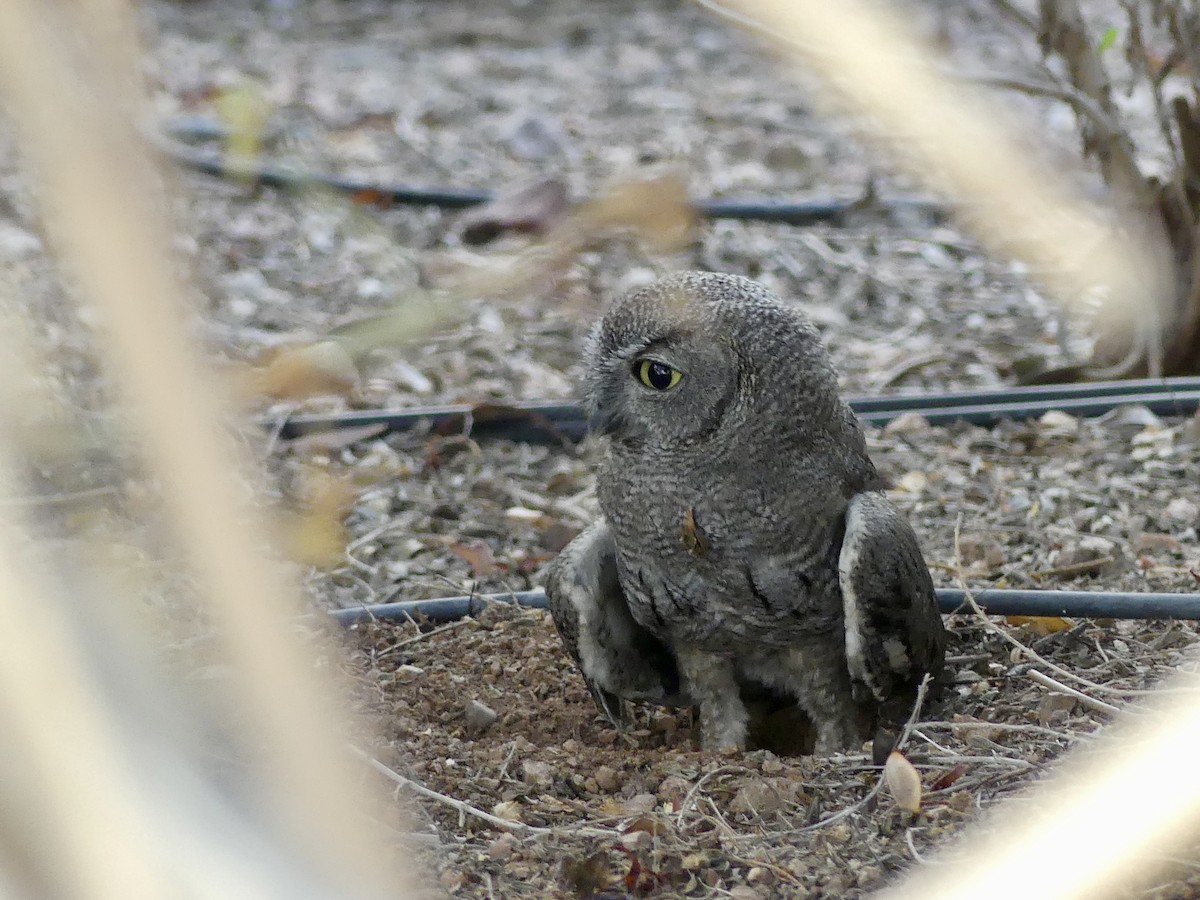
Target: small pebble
<point>907,423</point>
<point>539,774</point>
<point>1183,510</point>
<point>760,875</point>
<point>407,673</point>
<point>480,716</point>
<point>607,779</point>
<point>636,841</point>
<point>502,847</point>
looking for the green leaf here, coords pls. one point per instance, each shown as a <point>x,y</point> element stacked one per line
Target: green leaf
<point>1107,40</point>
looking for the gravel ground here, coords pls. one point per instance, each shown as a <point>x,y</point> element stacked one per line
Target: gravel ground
<point>452,94</point>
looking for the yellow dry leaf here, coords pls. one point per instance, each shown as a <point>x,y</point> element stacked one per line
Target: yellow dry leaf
<point>612,808</point>
<point>657,208</point>
<point>244,110</point>
<point>1041,625</point>
<point>903,781</point>
<point>308,371</point>
<point>316,536</point>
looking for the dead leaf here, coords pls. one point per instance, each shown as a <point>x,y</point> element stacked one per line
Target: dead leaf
<point>309,371</point>
<point>640,880</point>
<point>478,556</point>
<point>439,449</point>
<point>652,825</point>
<point>946,779</point>
<point>243,110</point>
<point>1039,625</point>
<point>657,208</point>
<point>372,197</point>
<point>903,782</point>
<point>316,536</point>
<point>529,209</point>
<point>691,535</point>
<point>612,808</point>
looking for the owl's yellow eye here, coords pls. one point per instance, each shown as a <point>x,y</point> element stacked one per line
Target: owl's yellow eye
<point>657,375</point>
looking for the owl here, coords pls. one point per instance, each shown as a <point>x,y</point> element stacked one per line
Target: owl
<point>746,542</point>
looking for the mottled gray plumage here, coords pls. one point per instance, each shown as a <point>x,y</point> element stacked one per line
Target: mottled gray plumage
<point>751,540</point>
<point>620,660</point>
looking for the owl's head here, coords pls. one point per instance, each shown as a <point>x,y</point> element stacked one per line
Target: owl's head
<point>693,354</point>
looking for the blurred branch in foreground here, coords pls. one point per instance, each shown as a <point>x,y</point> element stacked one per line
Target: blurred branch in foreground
<point>125,803</point>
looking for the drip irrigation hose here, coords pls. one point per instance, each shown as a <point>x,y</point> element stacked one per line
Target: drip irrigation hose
<point>1075,604</point>
<point>782,212</point>
<point>554,422</point>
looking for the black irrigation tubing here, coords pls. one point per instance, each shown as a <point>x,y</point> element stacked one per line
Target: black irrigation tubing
<point>553,422</point>
<point>806,212</point>
<point>1076,604</point>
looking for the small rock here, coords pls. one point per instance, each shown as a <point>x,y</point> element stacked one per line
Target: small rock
<point>1089,548</point>
<point>407,673</point>
<point>907,423</point>
<point>640,804</point>
<point>912,482</point>
<point>760,875</point>
<point>479,716</point>
<point>490,321</point>
<point>1131,416</point>
<point>607,779</point>
<point>1151,542</point>
<point>838,834</point>
<point>868,876</point>
<point>1190,435</point>
<point>509,810</point>
<point>410,377</point>
<point>1054,709</point>
<point>673,789</point>
<point>985,552</point>
<point>1183,510</point>
<point>241,308</point>
<point>502,847</point>
<point>637,841</point>
<point>771,765</point>
<point>744,892</point>
<point>538,774</point>
<point>17,243</point>
<point>756,798</point>
<point>788,156</point>
<point>452,879</point>
<point>536,138</point>
<point>835,886</point>
<point>369,288</point>
<point>1058,424</point>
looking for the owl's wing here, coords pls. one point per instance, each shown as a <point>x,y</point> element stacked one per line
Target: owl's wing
<point>620,660</point>
<point>894,632</point>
